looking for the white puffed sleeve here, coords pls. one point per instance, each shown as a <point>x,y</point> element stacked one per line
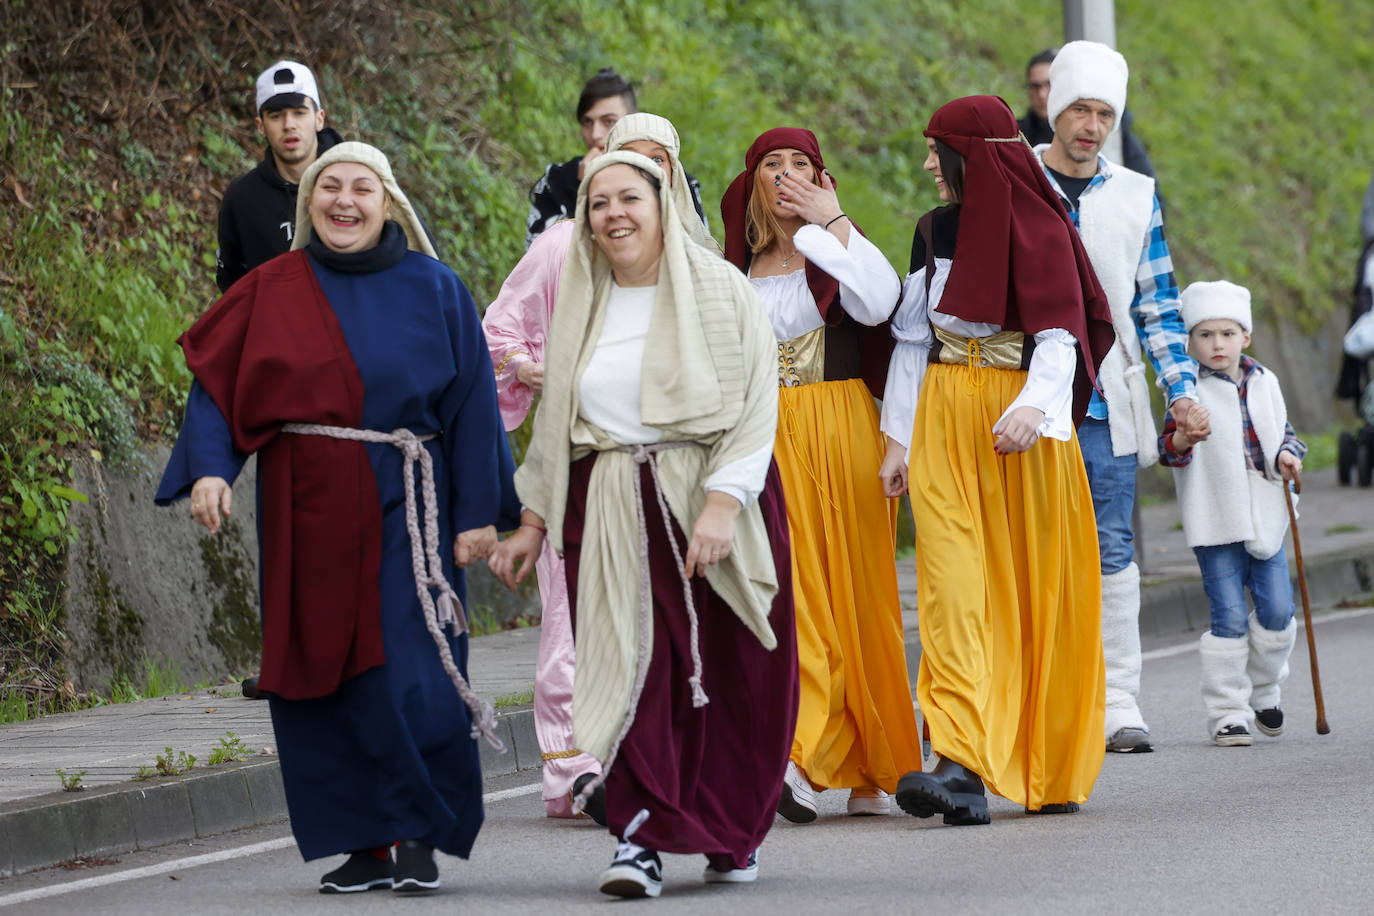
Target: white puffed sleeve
<point>868,285</point>
<point>1049,382</point>
<point>907,369</point>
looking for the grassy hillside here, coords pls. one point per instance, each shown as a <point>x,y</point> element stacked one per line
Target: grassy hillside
<point>122,121</point>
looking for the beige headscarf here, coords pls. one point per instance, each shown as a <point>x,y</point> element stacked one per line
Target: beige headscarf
<point>401,210</point>
<point>709,378</point>
<point>641,125</point>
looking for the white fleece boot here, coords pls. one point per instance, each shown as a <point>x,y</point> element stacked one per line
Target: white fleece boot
<point>1226,688</point>
<point>1267,669</point>
<point>1121,653</point>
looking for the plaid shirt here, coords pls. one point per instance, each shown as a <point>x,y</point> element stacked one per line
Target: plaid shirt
<point>1155,306</point>
<point>1254,455</point>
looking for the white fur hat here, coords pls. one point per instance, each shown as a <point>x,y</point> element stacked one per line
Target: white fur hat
<point>1087,70</point>
<point>1206,300</point>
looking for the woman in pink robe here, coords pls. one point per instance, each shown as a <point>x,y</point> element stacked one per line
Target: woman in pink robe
<point>516,325</point>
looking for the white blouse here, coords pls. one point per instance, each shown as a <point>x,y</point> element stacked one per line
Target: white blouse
<point>1049,380</point>
<point>868,285</point>
<point>609,391</point>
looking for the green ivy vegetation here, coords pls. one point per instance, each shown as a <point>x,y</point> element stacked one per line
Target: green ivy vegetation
<point>1254,115</point>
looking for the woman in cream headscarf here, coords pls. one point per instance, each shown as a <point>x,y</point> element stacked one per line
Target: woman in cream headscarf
<point>517,325</point>
<point>650,467</point>
<point>344,364</point>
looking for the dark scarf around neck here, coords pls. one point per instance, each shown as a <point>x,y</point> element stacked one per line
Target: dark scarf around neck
<point>388,252</point>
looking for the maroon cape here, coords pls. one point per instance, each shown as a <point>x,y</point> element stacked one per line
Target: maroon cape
<point>271,352</point>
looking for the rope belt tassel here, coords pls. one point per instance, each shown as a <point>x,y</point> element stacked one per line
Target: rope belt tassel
<point>424,556</point>
<point>644,454</point>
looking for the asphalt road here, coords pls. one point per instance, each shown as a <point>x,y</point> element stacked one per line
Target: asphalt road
<point>1280,827</point>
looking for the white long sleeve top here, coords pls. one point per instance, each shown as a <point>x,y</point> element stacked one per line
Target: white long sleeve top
<point>1049,380</point>
<point>609,391</point>
<point>868,284</point>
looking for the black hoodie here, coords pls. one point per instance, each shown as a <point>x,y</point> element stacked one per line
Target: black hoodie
<point>257,217</point>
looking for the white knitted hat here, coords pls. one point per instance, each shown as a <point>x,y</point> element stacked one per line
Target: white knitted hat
<point>1206,300</point>
<point>1087,70</point>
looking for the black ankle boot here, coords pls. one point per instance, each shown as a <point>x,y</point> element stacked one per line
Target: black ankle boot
<point>950,789</point>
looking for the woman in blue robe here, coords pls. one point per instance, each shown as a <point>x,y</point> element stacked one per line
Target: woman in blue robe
<point>364,335</point>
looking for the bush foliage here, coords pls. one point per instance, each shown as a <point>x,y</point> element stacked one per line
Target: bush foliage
<point>121,121</point>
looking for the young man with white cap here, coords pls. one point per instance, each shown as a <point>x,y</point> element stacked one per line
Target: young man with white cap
<point>1118,216</point>
<point>1230,491</point>
<point>258,213</point>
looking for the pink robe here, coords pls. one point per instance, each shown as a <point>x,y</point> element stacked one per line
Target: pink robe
<point>517,324</point>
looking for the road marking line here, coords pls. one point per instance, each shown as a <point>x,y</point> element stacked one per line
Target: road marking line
<point>512,793</point>
<point>209,858</point>
<point>1317,620</point>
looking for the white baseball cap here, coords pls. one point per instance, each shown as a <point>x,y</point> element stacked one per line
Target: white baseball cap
<point>288,78</point>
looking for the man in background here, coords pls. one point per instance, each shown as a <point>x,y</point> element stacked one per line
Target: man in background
<point>258,214</point>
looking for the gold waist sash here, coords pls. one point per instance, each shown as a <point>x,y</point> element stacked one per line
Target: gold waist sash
<point>1003,350</point>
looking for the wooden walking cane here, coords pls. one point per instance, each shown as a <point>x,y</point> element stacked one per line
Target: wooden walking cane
<point>1322,727</point>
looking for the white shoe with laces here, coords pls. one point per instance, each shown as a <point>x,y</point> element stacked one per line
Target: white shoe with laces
<point>798,802</point>
<point>750,872</point>
<point>869,801</point>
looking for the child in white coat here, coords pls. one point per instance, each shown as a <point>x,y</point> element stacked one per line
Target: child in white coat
<point>1230,475</point>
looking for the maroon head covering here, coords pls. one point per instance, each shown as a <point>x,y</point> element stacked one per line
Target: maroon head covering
<point>825,289</point>
<point>1019,262</point>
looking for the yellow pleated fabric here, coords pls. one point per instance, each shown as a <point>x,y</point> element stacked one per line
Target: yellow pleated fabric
<point>1009,584</point>
<point>855,726</point>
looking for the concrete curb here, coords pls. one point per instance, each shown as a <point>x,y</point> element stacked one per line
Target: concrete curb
<point>50,829</point>
<point>1177,605</point>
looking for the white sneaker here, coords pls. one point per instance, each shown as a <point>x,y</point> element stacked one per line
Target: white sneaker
<point>750,872</point>
<point>798,802</point>
<point>869,801</point>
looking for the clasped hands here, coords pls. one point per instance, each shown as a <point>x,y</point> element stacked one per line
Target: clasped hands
<point>712,537</point>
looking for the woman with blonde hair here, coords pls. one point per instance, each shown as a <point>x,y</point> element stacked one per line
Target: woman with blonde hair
<point>828,293</point>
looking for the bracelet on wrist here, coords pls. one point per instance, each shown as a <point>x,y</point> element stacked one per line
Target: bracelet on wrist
<point>833,221</point>
<point>540,528</point>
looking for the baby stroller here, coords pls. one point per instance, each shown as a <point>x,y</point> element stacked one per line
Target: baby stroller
<point>1355,451</point>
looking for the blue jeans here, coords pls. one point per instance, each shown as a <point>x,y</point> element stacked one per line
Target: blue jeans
<point>1227,571</point>
<point>1112,481</point>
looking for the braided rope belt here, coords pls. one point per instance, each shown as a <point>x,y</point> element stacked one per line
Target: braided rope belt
<point>644,454</point>
<point>424,557</point>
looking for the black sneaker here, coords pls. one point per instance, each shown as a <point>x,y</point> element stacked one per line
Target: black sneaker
<point>415,869</point>
<point>250,688</point>
<point>362,872</point>
<point>634,872</point>
<point>596,805</point>
<point>1233,736</point>
<point>1270,721</point>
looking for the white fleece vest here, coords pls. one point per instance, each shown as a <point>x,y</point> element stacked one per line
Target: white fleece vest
<point>1113,219</point>
<point>1222,501</point>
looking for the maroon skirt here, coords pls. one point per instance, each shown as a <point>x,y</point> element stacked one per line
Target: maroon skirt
<point>709,776</point>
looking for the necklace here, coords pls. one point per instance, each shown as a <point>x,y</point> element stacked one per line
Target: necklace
<point>789,257</point>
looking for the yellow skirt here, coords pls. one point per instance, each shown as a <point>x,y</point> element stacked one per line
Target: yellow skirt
<point>856,725</point>
<point>1011,678</point>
